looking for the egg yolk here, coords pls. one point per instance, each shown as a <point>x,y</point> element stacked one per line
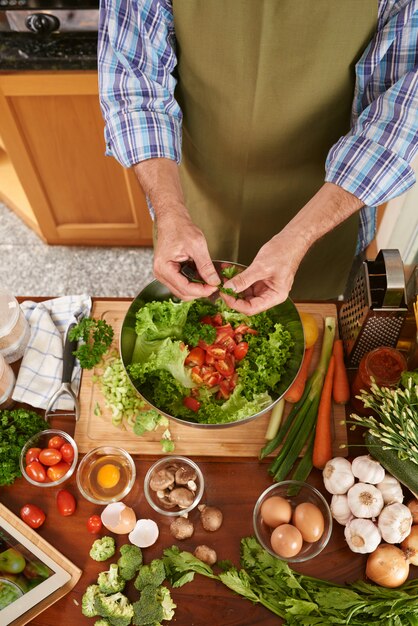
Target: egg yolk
<point>108,476</point>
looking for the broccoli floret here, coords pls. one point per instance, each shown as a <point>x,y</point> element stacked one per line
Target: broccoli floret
<point>88,600</point>
<point>102,549</point>
<point>154,605</point>
<point>115,608</point>
<point>130,561</point>
<point>111,581</point>
<point>152,574</point>
<point>102,622</point>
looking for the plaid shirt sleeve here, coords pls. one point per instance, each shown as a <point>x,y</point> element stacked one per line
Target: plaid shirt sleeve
<point>136,58</point>
<point>373,161</point>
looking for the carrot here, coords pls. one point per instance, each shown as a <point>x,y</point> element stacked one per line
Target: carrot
<point>341,386</point>
<point>322,451</point>
<point>295,391</point>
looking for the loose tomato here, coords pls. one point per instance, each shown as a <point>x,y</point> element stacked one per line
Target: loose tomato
<point>56,442</point>
<point>36,471</point>
<point>196,356</point>
<point>32,515</point>
<point>225,366</point>
<point>94,524</point>
<point>67,452</point>
<point>55,472</point>
<point>240,350</point>
<point>32,455</point>
<point>65,502</point>
<point>50,456</point>
<point>191,403</point>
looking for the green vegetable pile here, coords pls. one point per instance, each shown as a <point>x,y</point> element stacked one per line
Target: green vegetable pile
<point>16,427</point>
<point>107,600</point>
<point>300,599</point>
<point>126,405</point>
<point>96,335</point>
<point>165,330</point>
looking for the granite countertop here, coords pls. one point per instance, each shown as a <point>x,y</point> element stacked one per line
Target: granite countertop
<point>64,51</point>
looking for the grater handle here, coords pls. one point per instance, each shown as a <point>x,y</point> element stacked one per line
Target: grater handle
<point>394,295</point>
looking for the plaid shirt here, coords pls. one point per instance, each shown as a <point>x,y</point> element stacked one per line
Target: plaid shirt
<point>137,57</point>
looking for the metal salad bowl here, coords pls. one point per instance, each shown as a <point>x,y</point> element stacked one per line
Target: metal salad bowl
<point>285,313</point>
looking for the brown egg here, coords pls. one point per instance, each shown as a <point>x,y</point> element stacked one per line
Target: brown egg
<point>309,520</point>
<point>286,541</point>
<point>275,511</point>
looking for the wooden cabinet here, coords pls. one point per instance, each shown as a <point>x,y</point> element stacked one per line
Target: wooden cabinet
<point>53,171</point>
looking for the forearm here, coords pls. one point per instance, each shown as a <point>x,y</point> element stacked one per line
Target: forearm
<point>160,181</point>
<point>330,206</point>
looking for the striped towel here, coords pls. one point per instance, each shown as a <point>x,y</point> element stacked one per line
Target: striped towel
<point>40,372</point>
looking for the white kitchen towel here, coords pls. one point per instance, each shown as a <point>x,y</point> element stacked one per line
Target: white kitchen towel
<point>40,372</point>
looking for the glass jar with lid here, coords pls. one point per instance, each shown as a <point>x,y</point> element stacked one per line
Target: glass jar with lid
<point>14,328</point>
<point>7,384</point>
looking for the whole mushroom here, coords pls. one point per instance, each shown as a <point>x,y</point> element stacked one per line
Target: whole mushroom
<point>181,528</point>
<point>211,517</point>
<point>163,479</point>
<point>206,554</point>
<point>182,497</point>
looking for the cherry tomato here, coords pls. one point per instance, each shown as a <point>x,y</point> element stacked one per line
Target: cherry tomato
<point>228,343</point>
<point>223,331</point>
<point>191,403</point>
<point>55,472</point>
<point>241,350</point>
<point>65,502</point>
<point>32,515</point>
<point>94,524</point>
<point>36,471</point>
<point>67,452</point>
<point>225,366</point>
<point>50,456</point>
<point>56,442</point>
<point>218,352</point>
<point>32,455</point>
<point>196,356</point>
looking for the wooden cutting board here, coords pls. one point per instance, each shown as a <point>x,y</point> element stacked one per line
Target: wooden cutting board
<point>244,440</point>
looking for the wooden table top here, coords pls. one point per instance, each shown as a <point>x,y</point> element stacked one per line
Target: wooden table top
<point>232,485</point>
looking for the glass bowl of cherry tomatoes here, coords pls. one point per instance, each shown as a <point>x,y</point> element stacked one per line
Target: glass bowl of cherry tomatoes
<point>49,458</point>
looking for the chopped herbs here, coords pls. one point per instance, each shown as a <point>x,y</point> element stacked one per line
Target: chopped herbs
<point>96,337</point>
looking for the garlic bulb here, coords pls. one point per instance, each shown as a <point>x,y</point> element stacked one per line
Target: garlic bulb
<point>337,475</point>
<point>367,470</point>
<point>391,489</point>
<point>340,510</point>
<point>362,535</point>
<point>395,522</point>
<point>365,500</point>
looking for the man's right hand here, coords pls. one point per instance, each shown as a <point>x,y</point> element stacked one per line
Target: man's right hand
<point>178,239</point>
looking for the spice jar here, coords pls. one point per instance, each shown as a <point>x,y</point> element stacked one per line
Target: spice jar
<point>14,328</point>
<point>7,384</point>
<point>385,365</point>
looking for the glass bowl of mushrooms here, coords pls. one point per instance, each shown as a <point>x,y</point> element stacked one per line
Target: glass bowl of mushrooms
<point>174,485</point>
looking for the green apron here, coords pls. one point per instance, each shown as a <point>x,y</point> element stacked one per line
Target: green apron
<point>266,88</point>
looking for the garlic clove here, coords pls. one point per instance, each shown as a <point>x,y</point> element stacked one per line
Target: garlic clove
<point>367,470</point>
<point>340,510</point>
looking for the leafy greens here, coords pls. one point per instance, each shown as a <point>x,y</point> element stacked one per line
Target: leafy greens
<point>165,332</point>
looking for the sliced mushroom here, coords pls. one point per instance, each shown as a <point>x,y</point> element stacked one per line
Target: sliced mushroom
<point>184,475</point>
<point>182,497</point>
<point>161,480</point>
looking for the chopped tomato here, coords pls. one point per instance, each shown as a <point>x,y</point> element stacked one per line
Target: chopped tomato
<point>206,319</point>
<point>240,350</point>
<point>191,403</point>
<point>209,359</point>
<point>197,375</point>
<point>225,366</point>
<point>228,343</point>
<point>224,331</point>
<point>202,344</point>
<point>217,319</point>
<point>243,329</point>
<point>233,381</point>
<point>218,352</point>
<point>196,356</point>
<point>214,379</point>
<point>224,390</point>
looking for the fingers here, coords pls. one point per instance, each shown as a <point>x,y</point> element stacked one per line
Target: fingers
<point>206,269</point>
<point>181,287</point>
<point>244,280</point>
<point>255,304</point>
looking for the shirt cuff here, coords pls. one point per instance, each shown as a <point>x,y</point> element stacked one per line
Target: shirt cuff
<point>368,170</point>
<point>141,135</point>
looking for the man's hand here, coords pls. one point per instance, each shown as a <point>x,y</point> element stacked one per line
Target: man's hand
<point>178,239</point>
<point>269,278</point>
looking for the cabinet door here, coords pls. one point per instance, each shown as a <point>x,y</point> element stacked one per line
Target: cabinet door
<point>52,129</point>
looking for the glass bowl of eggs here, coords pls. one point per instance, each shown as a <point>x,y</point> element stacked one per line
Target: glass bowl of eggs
<point>292,521</point>
<point>106,474</point>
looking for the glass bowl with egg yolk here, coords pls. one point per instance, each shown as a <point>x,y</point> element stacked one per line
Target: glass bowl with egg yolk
<point>106,474</point>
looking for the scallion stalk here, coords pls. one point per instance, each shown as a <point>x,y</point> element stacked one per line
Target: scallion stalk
<point>275,419</point>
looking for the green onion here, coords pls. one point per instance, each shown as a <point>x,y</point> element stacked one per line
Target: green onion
<point>275,419</point>
<point>300,426</point>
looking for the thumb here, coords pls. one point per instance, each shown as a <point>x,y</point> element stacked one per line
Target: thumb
<point>207,270</point>
<point>242,281</point>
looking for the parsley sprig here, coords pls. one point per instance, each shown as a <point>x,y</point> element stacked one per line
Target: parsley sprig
<point>96,336</point>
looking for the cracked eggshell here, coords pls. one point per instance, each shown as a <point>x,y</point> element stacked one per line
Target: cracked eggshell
<point>144,534</point>
<point>118,518</point>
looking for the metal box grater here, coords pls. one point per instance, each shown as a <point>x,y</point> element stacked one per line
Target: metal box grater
<point>375,312</point>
